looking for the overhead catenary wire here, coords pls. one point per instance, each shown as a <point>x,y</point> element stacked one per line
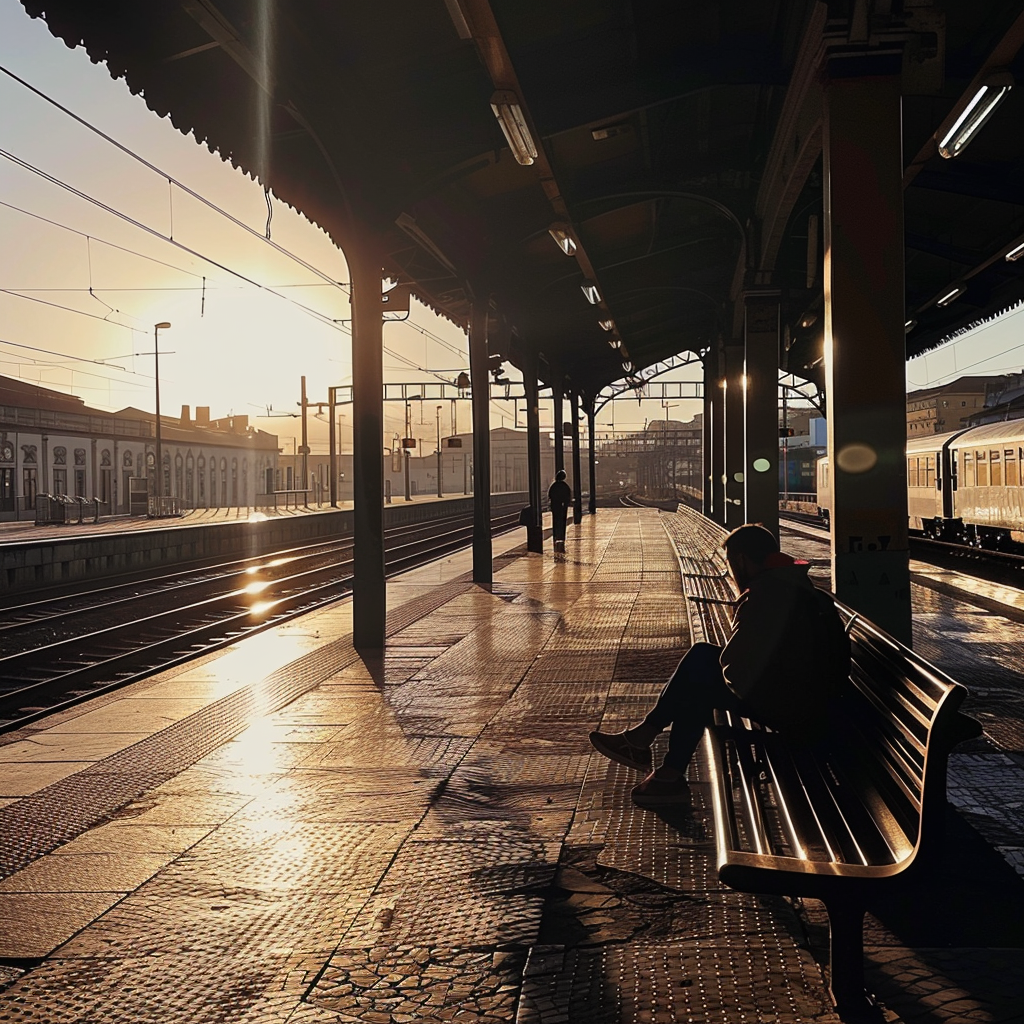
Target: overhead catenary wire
<point>199,197</point>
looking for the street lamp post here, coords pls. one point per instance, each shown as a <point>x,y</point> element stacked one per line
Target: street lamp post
<point>440,491</point>
<point>157,328</point>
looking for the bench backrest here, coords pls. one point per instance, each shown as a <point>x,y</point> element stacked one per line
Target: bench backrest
<point>902,719</point>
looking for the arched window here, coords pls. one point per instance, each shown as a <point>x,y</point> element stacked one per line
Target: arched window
<point>201,480</point>
<point>190,481</point>
<point>234,482</point>
<point>224,483</point>
<point>179,475</point>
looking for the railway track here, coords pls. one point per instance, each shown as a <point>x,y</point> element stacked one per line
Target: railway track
<point>59,651</point>
<point>999,566</point>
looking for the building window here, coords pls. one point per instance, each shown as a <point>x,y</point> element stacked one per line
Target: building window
<point>29,482</point>
<point>60,481</point>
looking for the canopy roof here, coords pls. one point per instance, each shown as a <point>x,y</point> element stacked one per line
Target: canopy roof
<point>679,141</point>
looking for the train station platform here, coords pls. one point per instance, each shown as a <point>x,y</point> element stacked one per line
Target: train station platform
<point>288,832</point>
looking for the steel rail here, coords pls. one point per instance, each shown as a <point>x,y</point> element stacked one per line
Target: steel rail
<point>180,645</point>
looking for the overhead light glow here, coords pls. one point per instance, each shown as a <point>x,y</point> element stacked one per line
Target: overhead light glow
<point>591,292</point>
<point>505,105</point>
<point>909,326</point>
<point>615,342</point>
<point>808,320</point>
<point>1015,253</point>
<point>950,296</point>
<point>981,106</point>
<point>609,325</point>
<point>562,235</point>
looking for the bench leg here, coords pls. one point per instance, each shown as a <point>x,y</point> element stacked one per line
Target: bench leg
<point>846,958</point>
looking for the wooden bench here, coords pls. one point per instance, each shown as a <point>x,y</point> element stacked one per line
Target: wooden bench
<point>842,824</point>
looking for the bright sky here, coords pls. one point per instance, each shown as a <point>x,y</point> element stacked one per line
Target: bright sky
<point>235,347</point>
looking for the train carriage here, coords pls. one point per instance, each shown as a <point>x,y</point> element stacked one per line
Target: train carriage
<point>931,479</point>
<point>988,504</point>
<point>965,486</point>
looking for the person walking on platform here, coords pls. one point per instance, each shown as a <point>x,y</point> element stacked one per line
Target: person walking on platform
<point>784,665</point>
<point>560,497</point>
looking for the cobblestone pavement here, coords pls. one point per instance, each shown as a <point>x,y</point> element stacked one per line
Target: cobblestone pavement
<point>291,833</point>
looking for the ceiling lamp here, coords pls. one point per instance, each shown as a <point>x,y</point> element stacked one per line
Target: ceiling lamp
<point>505,105</point>
<point>981,106</point>
<point>953,293</point>
<point>606,325</point>
<point>615,342</point>
<point>909,326</point>
<point>808,320</point>
<point>562,235</point>
<point>1015,253</point>
<point>591,292</point>
<point>628,366</point>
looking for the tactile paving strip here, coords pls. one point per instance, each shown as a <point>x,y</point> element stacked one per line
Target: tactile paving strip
<point>421,983</point>
<point>37,824</point>
<point>702,984</point>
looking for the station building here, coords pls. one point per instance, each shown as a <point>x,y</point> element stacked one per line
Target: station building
<point>53,443</point>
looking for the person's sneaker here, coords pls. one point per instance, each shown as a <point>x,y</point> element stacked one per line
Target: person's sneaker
<point>616,747</point>
<point>656,792</point>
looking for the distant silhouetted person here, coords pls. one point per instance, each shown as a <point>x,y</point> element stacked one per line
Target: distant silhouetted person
<point>784,666</point>
<point>560,496</point>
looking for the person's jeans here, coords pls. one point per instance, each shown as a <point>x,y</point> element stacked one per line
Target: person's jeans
<point>688,702</point>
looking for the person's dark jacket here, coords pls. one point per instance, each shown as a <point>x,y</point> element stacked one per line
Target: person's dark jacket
<point>788,656</point>
<point>560,494</point>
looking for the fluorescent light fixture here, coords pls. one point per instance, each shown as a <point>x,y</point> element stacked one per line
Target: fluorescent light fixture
<point>505,105</point>
<point>606,325</point>
<point>562,234</point>
<point>628,366</point>
<point>909,326</point>
<point>615,342</point>
<point>808,320</point>
<point>1015,253</point>
<point>952,294</point>
<point>591,292</point>
<point>981,106</point>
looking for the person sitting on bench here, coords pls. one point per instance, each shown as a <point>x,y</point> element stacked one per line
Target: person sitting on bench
<point>784,666</point>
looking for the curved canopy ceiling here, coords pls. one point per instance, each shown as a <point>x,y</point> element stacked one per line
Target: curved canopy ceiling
<point>678,141</point>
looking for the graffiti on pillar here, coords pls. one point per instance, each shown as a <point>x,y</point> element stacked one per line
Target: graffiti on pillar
<point>858,544</point>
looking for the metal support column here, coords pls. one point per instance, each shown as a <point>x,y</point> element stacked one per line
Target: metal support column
<point>865,342</point>
<point>761,408</point>
<point>734,490</point>
<point>577,472</point>
<point>711,437</point>
<point>368,586</point>
<point>535,529</point>
<point>482,563</point>
<point>592,456</point>
<point>332,445</point>
<point>556,392</point>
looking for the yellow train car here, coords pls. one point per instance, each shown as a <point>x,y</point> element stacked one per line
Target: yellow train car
<point>988,497</point>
